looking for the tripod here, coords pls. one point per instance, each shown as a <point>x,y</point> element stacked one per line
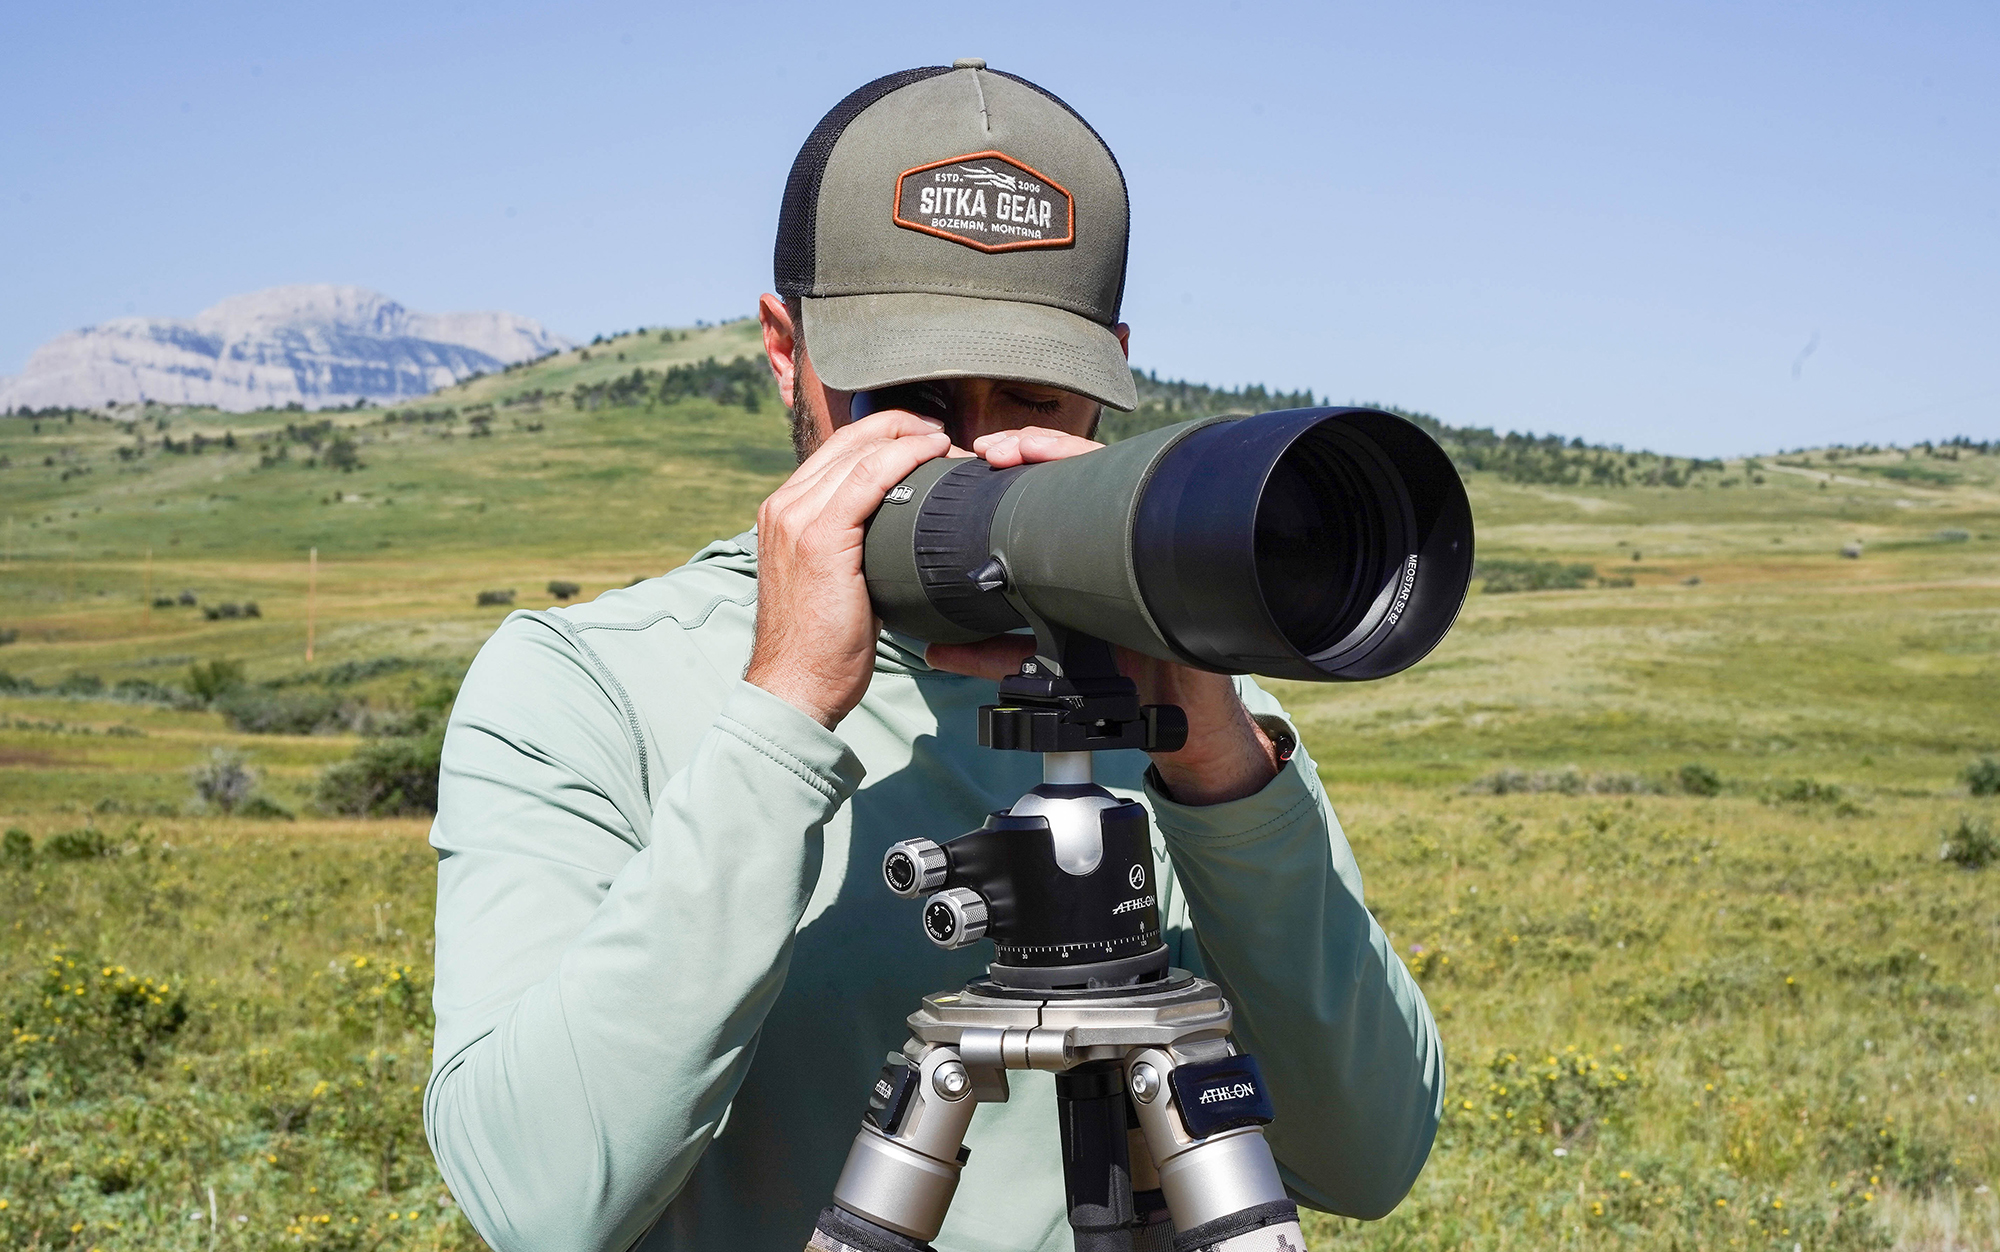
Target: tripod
<point>1161,1118</point>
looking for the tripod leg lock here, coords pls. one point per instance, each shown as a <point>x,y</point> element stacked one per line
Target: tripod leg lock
<point>903,1168</point>
<point>1204,1124</point>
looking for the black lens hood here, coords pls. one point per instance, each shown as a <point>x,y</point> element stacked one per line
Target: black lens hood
<point>1216,590</point>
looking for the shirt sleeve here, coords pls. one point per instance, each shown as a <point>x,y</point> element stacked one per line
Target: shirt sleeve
<point>580,1070</point>
<point>1340,1029</point>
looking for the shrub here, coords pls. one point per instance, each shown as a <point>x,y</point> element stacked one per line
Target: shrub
<point>8,635</point>
<point>563,590</point>
<point>17,849</point>
<point>210,680</point>
<point>348,673</point>
<point>21,686</point>
<point>1808,791</point>
<point>282,713</point>
<point>1566,1098</point>
<point>1569,781</point>
<point>386,778</point>
<point>83,1020</point>
<point>140,691</point>
<point>217,612</point>
<point>187,598</point>
<point>1698,780</point>
<point>224,782</point>
<point>1971,844</point>
<point>370,995</point>
<point>86,844</point>
<point>265,807</point>
<point>341,454</point>
<point>487,598</point>
<point>80,685</point>
<point>1982,777</point>
<point>1506,576</point>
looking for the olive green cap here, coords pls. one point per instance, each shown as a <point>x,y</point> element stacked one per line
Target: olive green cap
<point>958,222</point>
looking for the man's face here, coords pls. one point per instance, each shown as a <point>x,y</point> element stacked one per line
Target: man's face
<point>980,406</point>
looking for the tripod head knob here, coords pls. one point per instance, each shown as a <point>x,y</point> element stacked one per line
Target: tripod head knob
<point>914,867</point>
<point>955,918</point>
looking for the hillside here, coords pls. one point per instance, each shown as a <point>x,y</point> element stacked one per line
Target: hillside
<point>1680,827</point>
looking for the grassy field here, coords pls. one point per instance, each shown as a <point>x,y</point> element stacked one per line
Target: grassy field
<point>1765,1017</point>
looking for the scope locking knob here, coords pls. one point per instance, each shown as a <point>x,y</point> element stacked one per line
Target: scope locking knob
<point>955,918</point>
<point>913,868</point>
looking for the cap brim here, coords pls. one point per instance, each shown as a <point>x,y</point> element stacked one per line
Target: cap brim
<point>861,342</point>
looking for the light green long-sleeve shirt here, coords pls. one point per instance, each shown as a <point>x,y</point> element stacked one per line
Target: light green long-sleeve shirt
<point>668,971</point>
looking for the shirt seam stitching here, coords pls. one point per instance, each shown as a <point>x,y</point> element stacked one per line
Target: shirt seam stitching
<point>776,752</point>
<point>696,623</point>
<point>633,726</point>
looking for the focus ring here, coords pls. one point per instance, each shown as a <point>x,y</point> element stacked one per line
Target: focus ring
<point>954,535</point>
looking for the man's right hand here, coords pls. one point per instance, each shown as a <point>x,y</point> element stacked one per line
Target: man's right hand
<point>815,639</point>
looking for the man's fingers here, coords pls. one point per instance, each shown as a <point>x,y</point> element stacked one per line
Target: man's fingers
<point>1008,448</point>
<point>850,442</point>
<point>858,493</point>
<point>993,658</point>
<point>810,492</point>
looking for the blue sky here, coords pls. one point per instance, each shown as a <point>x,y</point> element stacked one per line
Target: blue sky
<point>1704,229</point>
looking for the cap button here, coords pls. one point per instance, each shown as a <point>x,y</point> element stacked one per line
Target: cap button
<point>969,63</point>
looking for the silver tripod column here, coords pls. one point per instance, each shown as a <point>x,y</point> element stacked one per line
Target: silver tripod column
<point>1069,768</point>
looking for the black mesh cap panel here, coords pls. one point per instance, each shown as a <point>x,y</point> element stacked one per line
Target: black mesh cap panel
<point>1037,88</point>
<point>795,261</point>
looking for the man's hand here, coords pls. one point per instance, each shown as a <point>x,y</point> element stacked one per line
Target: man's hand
<point>815,640</point>
<point>1226,758</point>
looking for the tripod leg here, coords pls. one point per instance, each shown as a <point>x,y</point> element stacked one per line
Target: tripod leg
<point>904,1165</point>
<point>1097,1169</point>
<point>1204,1124</point>
<point>1152,1226</point>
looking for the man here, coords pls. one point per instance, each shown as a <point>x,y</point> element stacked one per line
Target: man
<point>667,971</point>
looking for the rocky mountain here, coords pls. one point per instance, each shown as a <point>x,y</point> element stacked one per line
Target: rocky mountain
<point>318,345</point>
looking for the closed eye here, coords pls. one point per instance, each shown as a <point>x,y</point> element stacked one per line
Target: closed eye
<point>1034,405</point>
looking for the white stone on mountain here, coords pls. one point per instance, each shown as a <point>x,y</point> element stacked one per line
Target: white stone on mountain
<point>318,345</point>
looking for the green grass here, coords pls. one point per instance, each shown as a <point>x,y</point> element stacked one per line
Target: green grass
<point>1776,970</point>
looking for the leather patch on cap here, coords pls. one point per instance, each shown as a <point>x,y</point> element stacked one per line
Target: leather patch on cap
<point>988,201</point>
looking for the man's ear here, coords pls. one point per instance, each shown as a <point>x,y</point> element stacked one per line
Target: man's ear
<point>1121,330</point>
<point>780,347</point>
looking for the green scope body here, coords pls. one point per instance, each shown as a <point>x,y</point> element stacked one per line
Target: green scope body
<point>1326,544</point>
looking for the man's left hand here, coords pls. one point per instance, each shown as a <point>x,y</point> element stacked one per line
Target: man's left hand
<point>1227,756</point>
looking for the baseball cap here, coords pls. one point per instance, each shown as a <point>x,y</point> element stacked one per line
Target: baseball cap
<point>958,222</point>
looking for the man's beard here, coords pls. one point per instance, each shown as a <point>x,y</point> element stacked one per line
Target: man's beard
<point>805,435</point>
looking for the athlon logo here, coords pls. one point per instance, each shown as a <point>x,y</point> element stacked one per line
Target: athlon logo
<point>1228,1091</point>
<point>1133,906</point>
<point>988,201</point>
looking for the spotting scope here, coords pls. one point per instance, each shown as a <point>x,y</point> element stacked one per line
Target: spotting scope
<point>1324,544</point>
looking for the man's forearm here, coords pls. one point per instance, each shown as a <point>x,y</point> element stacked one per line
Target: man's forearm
<point>1343,1033</point>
